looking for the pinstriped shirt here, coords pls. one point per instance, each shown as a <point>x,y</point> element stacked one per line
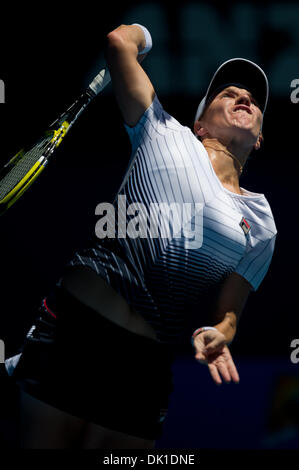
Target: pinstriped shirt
<point>161,276</point>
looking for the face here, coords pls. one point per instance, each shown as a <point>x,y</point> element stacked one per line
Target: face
<point>232,114</point>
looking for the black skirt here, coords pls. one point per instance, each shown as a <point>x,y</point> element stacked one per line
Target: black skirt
<point>84,364</point>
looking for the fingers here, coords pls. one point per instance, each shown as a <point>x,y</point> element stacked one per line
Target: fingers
<point>230,365</point>
<point>212,350</point>
<point>215,374</point>
<point>228,373</point>
<point>233,371</point>
<point>223,368</point>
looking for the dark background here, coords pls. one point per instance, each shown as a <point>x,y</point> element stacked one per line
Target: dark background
<point>48,56</point>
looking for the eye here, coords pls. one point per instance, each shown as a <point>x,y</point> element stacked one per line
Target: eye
<point>228,94</point>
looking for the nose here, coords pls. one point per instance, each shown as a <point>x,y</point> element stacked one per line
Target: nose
<point>243,99</point>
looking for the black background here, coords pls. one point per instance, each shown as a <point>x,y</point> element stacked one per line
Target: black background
<point>48,55</point>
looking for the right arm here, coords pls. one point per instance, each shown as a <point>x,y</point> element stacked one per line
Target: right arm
<point>133,89</point>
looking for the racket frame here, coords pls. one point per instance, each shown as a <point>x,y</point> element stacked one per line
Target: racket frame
<point>60,127</point>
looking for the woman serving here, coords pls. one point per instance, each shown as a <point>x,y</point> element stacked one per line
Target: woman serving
<point>98,360</point>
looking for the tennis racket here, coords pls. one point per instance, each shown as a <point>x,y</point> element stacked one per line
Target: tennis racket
<point>24,168</point>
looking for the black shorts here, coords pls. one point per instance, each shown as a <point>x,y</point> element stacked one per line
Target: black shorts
<point>82,363</point>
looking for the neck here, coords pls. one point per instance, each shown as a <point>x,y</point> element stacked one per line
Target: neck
<point>227,165</point>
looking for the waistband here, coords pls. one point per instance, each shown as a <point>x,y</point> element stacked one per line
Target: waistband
<point>63,306</point>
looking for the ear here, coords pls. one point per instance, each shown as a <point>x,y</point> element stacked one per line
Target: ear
<point>258,141</point>
<point>198,129</point>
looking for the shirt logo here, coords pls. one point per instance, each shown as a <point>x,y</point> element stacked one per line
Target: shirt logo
<point>245,225</point>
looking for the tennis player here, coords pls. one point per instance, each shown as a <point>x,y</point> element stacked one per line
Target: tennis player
<point>95,368</point>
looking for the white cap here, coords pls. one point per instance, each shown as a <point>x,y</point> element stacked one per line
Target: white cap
<point>242,73</point>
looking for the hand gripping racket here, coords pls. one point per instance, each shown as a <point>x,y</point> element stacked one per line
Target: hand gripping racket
<point>19,173</point>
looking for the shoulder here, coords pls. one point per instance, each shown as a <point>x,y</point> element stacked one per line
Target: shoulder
<point>155,120</point>
<point>261,214</point>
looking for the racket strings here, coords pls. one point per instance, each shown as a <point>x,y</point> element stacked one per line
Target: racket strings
<point>23,165</point>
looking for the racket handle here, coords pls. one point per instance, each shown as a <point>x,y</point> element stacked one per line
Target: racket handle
<point>100,81</point>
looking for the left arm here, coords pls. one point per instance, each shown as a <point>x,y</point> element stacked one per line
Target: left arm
<point>231,301</point>
<point>211,345</point>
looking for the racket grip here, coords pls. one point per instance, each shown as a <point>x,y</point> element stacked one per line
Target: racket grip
<point>100,81</point>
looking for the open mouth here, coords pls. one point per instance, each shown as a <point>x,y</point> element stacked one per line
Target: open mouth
<point>241,108</point>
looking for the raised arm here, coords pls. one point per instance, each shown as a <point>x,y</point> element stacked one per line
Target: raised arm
<point>133,89</point>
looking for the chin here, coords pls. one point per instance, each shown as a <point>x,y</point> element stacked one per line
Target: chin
<point>245,133</point>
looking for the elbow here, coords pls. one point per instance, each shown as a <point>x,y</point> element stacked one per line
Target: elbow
<point>120,43</point>
<point>116,40</point>
<point>113,38</point>
<point>113,45</point>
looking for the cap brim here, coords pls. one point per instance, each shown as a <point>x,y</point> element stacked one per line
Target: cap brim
<point>241,72</point>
